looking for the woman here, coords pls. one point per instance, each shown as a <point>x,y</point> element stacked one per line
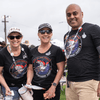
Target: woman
<point>48,64</point>
<point>14,60</point>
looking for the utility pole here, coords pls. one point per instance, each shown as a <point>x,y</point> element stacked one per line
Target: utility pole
<point>5,27</point>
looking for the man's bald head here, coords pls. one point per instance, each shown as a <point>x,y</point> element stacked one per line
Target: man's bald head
<point>73,5</point>
<point>74,16</point>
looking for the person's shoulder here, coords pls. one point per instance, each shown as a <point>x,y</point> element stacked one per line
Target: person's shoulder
<point>1,47</point>
<point>57,50</point>
<point>66,34</point>
<point>54,47</point>
<point>34,49</point>
<point>90,26</point>
<point>3,50</point>
<point>25,47</point>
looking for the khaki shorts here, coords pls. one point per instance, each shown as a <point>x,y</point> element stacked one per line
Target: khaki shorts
<point>86,90</point>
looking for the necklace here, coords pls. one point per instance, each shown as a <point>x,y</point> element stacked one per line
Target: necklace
<point>12,54</point>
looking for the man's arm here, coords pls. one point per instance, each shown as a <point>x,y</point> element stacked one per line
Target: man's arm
<point>98,89</point>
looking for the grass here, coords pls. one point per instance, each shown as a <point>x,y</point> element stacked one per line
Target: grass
<point>62,94</point>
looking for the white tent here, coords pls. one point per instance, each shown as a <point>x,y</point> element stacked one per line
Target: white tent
<point>58,43</point>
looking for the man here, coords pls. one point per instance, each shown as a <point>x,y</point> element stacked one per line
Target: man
<point>82,45</point>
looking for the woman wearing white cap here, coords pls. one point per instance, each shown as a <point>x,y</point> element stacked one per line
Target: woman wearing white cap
<point>14,60</point>
<point>46,59</point>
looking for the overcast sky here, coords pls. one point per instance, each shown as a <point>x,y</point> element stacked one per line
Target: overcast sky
<point>29,14</point>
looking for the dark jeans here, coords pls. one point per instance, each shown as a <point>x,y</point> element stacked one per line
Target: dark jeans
<point>15,90</point>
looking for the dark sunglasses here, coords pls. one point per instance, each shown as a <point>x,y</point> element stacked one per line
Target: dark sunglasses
<point>17,37</point>
<point>74,13</point>
<point>43,31</point>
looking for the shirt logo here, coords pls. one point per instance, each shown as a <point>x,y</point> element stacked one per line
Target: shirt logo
<point>48,53</point>
<point>83,35</point>
<point>42,66</point>
<point>73,45</point>
<point>19,69</point>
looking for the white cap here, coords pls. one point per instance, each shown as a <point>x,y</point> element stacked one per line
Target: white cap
<point>1,39</point>
<point>14,29</point>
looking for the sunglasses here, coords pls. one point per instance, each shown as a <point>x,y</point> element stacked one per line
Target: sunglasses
<point>45,31</point>
<point>74,13</point>
<point>17,37</point>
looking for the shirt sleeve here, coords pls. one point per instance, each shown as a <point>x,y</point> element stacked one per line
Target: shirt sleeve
<point>1,60</point>
<point>29,56</point>
<point>95,33</point>
<point>60,56</point>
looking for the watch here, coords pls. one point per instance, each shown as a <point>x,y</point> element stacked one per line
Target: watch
<point>54,84</point>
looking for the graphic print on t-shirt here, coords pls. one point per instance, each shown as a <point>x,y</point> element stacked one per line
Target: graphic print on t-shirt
<point>73,45</point>
<point>42,66</point>
<point>19,69</point>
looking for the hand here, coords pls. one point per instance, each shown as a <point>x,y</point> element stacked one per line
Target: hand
<point>50,93</point>
<point>28,83</point>
<point>8,92</point>
<point>48,96</point>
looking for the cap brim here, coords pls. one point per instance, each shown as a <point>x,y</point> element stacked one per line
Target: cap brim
<point>45,27</point>
<point>14,32</point>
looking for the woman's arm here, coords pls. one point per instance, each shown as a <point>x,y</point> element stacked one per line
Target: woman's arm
<point>60,66</point>
<point>50,93</point>
<point>3,82</point>
<point>29,74</point>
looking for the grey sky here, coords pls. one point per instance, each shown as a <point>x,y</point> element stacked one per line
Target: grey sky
<point>29,14</point>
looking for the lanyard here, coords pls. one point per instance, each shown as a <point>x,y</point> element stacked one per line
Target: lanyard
<point>12,54</point>
<point>72,43</point>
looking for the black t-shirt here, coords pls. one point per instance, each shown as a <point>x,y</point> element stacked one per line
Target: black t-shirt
<point>83,62</point>
<point>45,65</point>
<point>1,47</point>
<point>15,75</point>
